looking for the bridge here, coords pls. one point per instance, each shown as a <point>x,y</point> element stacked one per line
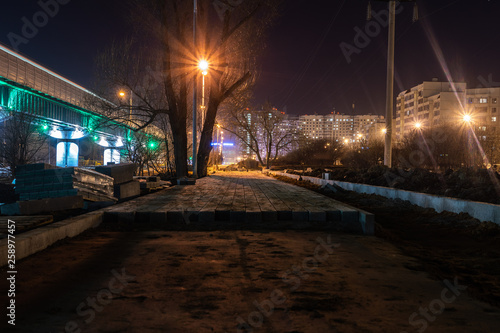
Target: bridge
<point>58,105</point>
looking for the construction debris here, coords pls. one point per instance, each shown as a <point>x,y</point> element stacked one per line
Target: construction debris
<point>42,181</point>
<point>124,185</point>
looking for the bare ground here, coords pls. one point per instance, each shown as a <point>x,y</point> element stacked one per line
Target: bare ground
<point>446,244</point>
<point>259,281</point>
<point>237,281</point>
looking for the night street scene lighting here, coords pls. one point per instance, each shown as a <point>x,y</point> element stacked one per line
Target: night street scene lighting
<point>250,166</point>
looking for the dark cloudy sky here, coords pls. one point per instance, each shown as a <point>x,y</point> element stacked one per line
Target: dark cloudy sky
<point>303,67</point>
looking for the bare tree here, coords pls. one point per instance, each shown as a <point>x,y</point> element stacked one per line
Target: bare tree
<point>489,139</point>
<point>446,146</point>
<point>141,150</point>
<point>158,68</point>
<point>363,154</point>
<point>266,132</point>
<point>20,139</point>
<point>317,152</point>
<point>165,163</point>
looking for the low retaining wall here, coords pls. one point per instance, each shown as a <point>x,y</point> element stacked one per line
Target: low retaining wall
<point>36,240</point>
<point>479,210</point>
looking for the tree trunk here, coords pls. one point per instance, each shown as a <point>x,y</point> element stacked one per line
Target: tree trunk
<point>206,137</point>
<point>204,152</point>
<point>180,147</point>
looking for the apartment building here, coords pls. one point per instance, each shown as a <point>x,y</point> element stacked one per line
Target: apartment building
<point>428,104</point>
<point>434,103</point>
<point>482,106</point>
<point>339,127</point>
<point>369,126</point>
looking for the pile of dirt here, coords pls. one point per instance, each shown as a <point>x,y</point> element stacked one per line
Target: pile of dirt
<point>466,183</point>
<point>447,245</point>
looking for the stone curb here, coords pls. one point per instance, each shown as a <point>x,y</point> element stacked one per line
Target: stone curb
<point>31,242</point>
<point>482,211</point>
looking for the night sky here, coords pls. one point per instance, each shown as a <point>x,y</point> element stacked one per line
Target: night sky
<point>303,67</point>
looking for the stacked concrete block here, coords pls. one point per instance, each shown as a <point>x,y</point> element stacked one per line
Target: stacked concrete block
<point>149,182</point>
<point>50,205</point>
<point>124,184</point>
<point>42,181</point>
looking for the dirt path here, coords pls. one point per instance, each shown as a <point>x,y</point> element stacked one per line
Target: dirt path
<point>238,281</point>
<point>445,244</point>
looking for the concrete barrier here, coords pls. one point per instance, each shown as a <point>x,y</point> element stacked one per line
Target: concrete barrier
<point>479,210</point>
<point>352,219</point>
<point>36,240</point>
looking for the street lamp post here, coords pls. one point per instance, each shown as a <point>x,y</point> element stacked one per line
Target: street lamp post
<point>123,94</point>
<point>195,97</point>
<point>217,148</point>
<point>221,145</point>
<point>203,66</point>
<point>129,120</point>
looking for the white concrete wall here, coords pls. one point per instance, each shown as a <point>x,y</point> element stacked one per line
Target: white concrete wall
<point>479,210</point>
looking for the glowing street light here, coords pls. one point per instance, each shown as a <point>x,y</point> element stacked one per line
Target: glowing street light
<point>418,125</point>
<point>122,94</point>
<point>203,66</point>
<point>467,118</point>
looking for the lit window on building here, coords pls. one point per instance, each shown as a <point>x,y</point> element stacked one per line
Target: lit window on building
<point>483,100</point>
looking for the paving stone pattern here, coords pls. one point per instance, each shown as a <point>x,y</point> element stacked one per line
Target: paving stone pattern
<point>234,197</point>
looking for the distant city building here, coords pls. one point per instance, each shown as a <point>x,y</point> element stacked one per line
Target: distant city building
<point>482,106</point>
<point>435,103</point>
<point>262,123</point>
<point>340,127</point>
<point>370,126</point>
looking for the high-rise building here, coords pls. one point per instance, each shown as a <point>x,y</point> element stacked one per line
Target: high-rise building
<point>435,103</point>
<point>482,106</point>
<point>339,127</point>
<point>427,105</point>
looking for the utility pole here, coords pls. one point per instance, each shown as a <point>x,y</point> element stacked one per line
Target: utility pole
<point>389,102</point>
<point>195,99</point>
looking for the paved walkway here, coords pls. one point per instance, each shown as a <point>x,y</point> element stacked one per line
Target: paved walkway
<point>236,281</point>
<point>249,197</point>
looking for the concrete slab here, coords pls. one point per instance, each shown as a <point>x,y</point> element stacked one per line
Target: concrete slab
<point>127,190</point>
<point>33,207</point>
<point>121,173</point>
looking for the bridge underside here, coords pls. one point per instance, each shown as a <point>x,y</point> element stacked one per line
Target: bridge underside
<point>62,121</point>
